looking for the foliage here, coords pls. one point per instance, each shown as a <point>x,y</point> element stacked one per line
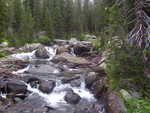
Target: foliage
<point>43,40</point>
<point>82,37</point>
<point>3,54</point>
<point>125,63</point>
<point>138,106</point>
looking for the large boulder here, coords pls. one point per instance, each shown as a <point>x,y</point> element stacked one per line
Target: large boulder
<point>12,87</point>
<point>16,86</point>
<point>115,105</point>
<point>47,86</point>
<point>58,59</point>
<point>81,50</point>
<point>62,49</point>
<point>74,59</point>
<point>98,88</point>
<point>91,108</point>
<point>42,52</point>
<point>72,98</point>
<point>90,79</point>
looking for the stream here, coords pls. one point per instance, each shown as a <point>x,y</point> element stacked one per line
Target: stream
<point>53,87</point>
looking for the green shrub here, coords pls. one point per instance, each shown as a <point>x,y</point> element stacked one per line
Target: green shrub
<point>83,37</point>
<point>3,54</point>
<point>97,44</point>
<point>125,64</point>
<point>43,40</point>
<point>138,106</point>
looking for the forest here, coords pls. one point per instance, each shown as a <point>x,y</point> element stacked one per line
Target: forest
<point>74,56</point>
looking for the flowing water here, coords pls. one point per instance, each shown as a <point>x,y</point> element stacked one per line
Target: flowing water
<point>56,98</point>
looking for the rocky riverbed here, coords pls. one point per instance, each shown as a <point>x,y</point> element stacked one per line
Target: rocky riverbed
<point>62,78</point>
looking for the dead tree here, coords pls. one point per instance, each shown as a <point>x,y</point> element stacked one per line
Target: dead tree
<point>140,34</point>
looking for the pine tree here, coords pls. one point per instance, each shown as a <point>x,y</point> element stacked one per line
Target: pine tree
<point>57,19</point>
<point>47,23</point>
<point>78,24</point>
<point>68,18</point>
<point>17,17</point>
<point>3,17</point>
<point>26,27</point>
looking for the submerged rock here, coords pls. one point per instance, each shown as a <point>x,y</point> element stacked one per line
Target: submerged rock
<point>42,52</point>
<point>47,86</point>
<point>72,97</point>
<point>75,83</point>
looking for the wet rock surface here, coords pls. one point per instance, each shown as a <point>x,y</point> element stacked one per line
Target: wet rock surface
<point>72,97</point>
<point>47,86</point>
<point>66,84</point>
<point>41,52</point>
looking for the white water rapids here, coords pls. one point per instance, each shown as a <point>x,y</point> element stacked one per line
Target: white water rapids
<point>56,97</point>
<point>31,55</point>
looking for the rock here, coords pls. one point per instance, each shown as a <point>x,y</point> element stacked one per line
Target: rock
<point>13,88</point>
<point>16,86</point>
<point>75,83</point>
<point>12,65</point>
<point>69,79</point>
<point>73,41</point>
<point>98,87</point>
<point>74,59</point>
<point>91,37</point>
<point>125,94</point>
<point>115,105</point>
<point>40,110</point>
<point>33,81</point>
<point>43,68</point>
<point>81,50</point>
<point>4,44</point>
<point>92,108</point>
<point>29,79</point>
<point>42,52</point>
<point>72,97</point>
<point>30,47</point>
<point>135,94</point>
<point>90,79</point>
<point>47,86</point>
<point>62,49</point>
<point>58,59</point>
<point>4,72</point>
<point>8,50</point>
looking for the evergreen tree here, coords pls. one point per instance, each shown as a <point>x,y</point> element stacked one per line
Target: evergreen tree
<point>57,19</point>
<point>26,27</point>
<point>17,17</point>
<point>68,18</point>
<point>78,14</point>
<point>3,17</point>
<point>47,23</point>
